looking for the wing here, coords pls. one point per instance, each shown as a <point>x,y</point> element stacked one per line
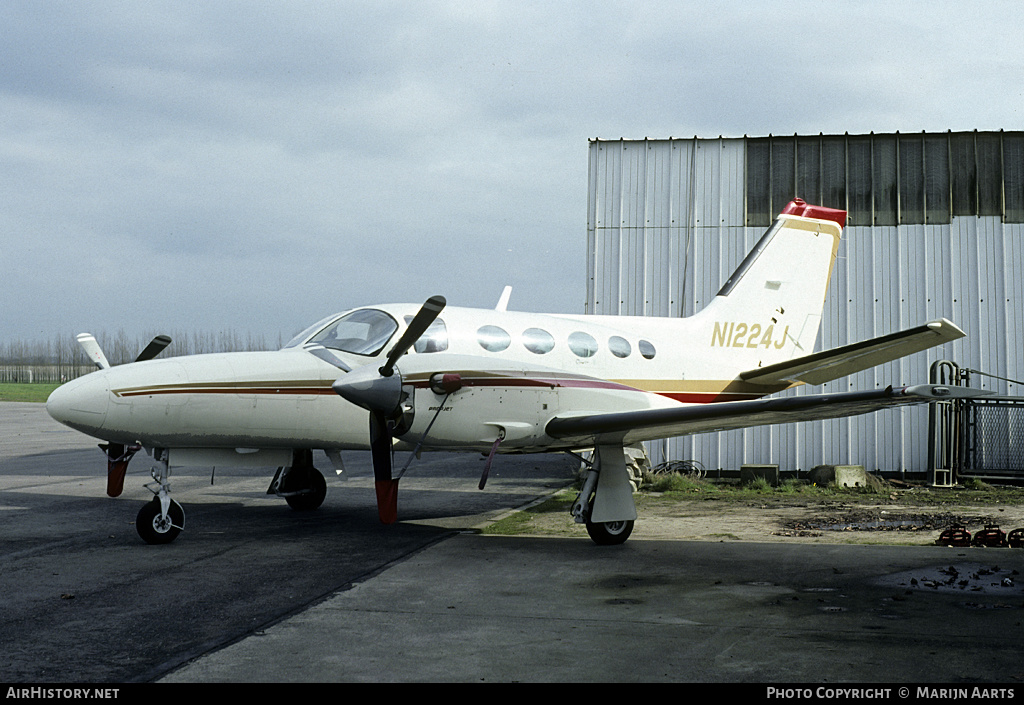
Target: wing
<point>629,427</point>
<point>832,364</point>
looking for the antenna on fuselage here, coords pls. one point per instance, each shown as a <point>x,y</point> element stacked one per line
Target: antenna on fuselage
<point>503,301</point>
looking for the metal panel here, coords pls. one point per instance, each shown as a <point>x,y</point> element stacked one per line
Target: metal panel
<point>667,223</point>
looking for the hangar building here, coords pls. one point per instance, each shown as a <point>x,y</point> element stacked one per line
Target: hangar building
<point>935,229</point>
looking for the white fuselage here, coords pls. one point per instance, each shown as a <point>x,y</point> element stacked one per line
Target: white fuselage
<point>283,399</point>
<point>518,370</point>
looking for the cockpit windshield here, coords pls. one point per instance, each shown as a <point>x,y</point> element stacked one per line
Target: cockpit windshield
<point>363,332</point>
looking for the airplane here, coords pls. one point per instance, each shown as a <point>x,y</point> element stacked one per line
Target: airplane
<point>402,377</point>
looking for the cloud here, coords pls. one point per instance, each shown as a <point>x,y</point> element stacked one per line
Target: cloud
<point>262,164</point>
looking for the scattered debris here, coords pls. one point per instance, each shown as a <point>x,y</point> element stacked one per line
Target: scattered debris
<point>967,577</point>
<point>877,520</point>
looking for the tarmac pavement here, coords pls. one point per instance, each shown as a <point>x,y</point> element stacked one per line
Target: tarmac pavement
<point>252,592</point>
<point>507,609</point>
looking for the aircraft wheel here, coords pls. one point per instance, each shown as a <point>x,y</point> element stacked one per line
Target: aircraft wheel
<point>609,533</point>
<point>311,500</point>
<point>155,530</point>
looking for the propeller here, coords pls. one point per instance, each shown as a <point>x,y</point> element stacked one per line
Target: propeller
<point>118,454</point>
<point>380,392</point>
<point>95,353</point>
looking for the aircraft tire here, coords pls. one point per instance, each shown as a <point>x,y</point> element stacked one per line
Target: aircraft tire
<point>609,533</point>
<point>311,500</point>
<point>152,529</point>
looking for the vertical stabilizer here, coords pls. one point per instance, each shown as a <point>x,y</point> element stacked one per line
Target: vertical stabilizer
<point>770,309</point>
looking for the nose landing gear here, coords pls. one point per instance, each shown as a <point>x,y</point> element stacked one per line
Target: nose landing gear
<point>162,519</point>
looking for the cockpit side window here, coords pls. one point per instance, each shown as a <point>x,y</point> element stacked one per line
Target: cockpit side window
<point>362,332</point>
<point>300,338</point>
<point>434,338</point>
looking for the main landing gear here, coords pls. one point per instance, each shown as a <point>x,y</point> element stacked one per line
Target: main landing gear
<point>301,484</point>
<point>605,503</point>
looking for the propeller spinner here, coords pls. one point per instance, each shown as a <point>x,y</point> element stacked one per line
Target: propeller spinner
<point>380,392</point>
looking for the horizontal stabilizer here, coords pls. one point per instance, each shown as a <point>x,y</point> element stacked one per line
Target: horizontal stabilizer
<point>828,365</point>
<point>650,424</point>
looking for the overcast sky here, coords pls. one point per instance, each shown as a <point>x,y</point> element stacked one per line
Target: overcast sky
<point>256,166</point>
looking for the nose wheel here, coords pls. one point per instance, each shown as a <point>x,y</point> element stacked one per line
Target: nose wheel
<point>157,527</point>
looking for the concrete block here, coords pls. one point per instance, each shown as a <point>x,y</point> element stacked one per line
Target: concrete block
<point>851,476</point>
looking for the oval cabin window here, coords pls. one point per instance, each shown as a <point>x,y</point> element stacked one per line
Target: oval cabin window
<point>619,346</point>
<point>493,338</point>
<point>582,344</point>
<point>538,341</point>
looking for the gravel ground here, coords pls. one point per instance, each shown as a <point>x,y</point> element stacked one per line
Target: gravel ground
<point>784,519</point>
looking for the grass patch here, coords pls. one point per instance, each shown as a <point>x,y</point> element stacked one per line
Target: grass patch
<point>523,522</point>
<point>676,488</point>
<point>12,391</point>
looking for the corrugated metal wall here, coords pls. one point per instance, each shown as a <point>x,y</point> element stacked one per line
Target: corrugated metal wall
<point>669,220</point>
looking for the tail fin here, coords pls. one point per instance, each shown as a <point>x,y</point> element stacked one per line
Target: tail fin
<point>770,309</point>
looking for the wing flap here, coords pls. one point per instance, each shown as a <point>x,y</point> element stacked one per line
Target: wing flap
<point>650,424</point>
<point>828,365</point>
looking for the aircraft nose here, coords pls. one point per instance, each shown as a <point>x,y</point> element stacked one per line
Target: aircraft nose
<point>81,403</point>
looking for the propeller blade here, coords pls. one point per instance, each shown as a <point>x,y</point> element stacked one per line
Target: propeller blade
<point>92,350</point>
<point>155,347</point>
<point>424,317</point>
<point>115,470</point>
<point>380,452</point>
<point>118,456</point>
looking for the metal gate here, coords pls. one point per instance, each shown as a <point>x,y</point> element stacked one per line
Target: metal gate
<point>993,438</point>
<point>979,438</point>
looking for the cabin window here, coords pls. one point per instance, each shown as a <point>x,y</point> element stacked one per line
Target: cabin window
<point>582,344</point>
<point>538,341</point>
<point>493,338</point>
<point>434,338</point>
<point>619,346</point>
<point>646,349</point>
<point>363,332</point>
